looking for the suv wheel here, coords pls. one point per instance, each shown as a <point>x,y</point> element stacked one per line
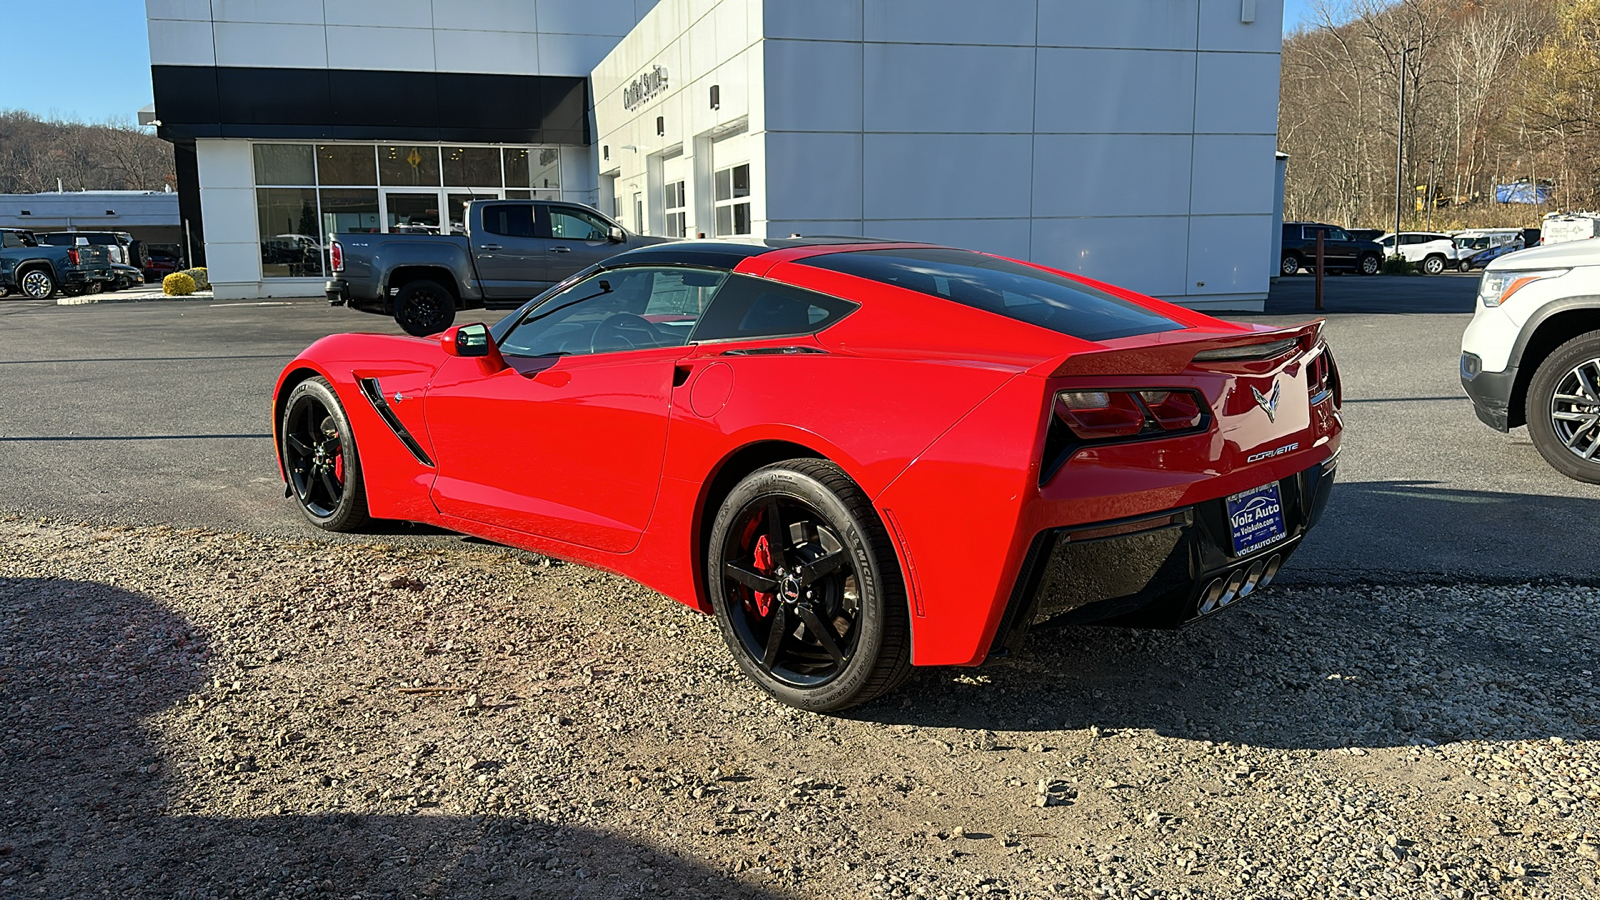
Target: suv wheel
<point>1290,264</point>
<point>1433,265</point>
<point>1564,408</point>
<point>1371,264</point>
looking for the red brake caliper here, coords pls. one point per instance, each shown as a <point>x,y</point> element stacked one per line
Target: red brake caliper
<point>763,564</point>
<point>338,467</point>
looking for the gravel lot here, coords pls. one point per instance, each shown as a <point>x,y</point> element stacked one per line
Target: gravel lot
<point>199,714</point>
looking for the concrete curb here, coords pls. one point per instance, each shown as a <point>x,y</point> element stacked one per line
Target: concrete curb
<point>128,296</point>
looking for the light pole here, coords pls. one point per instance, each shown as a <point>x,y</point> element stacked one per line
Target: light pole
<point>1400,148</point>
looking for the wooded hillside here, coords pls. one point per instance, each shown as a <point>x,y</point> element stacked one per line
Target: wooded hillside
<point>1497,92</point>
<point>34,153</point>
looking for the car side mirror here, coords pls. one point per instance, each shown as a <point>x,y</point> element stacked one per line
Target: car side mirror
<point>617,235</point>
<point>471,341</point>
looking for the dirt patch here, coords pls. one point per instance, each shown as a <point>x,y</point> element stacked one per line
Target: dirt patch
<point>201,714</point>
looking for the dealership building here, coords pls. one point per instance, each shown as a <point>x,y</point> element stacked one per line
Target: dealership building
<point>1133,142</point>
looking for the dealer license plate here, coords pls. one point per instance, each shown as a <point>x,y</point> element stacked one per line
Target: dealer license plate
<point>1255,517</point>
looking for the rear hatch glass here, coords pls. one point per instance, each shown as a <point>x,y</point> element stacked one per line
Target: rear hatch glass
<point>1003,287</point>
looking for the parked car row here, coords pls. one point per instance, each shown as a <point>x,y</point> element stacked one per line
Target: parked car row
<point>1363,249</point>
<point>38,270</point>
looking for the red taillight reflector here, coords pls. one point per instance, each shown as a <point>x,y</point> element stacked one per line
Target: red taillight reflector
<point>72,256</point>
<point>336,257</point>
<point>1173,410</point>
<point>1100,414</point>
<point>1103,415</point>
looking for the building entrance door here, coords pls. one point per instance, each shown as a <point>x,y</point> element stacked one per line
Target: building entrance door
<point>411,212</point>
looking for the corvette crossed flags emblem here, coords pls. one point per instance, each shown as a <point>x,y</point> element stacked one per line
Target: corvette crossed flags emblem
<point>1269,404</point>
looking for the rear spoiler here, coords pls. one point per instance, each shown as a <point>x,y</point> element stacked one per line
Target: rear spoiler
<point>1175,351</point>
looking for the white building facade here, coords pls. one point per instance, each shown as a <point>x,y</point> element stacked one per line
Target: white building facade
<point>1134,142</point>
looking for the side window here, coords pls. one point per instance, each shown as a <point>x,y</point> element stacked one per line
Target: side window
<point>751,308</point>
<point>510,219</point>
<point>1337,234</point>
<point>9,240</point>
<point>577,225</point>
<point>617,310</point>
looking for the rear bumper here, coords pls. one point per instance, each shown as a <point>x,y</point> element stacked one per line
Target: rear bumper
<point>1159,571</point>
<point>337,292</point>
<point>1490,391</point>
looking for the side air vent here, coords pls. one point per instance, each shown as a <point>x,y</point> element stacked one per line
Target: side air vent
<point>374,395</point>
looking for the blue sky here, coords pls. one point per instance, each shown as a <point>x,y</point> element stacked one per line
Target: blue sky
<point>106,74</point>
<point>102,72</point>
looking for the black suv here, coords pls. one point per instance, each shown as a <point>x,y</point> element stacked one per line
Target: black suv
<point>1339,249</point>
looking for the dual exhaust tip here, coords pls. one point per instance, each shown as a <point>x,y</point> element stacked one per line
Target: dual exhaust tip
<point>1240,583</point>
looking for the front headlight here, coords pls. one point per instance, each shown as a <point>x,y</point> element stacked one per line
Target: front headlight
<point>1497,287</point>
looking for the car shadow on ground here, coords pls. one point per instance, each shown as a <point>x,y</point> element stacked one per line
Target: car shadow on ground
<point>92,806</point>
<point>1313,664</point>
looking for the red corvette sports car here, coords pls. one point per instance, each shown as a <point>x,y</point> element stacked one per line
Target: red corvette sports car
<point>858,456</point>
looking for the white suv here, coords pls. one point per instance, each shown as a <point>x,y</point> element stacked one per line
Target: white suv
<point>1531,355</point>
<point>1434,252</point>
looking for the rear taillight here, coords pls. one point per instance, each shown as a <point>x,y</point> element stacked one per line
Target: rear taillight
<point>72,256</point>
<point>1322,379</point>
<point>336,257</point>
<point>1109,415</point>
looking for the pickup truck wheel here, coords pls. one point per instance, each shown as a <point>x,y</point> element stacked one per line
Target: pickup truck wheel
<point>38,284</point>
<point>1564,408</point>
<point>424,307</point>
<point>1433,265</point>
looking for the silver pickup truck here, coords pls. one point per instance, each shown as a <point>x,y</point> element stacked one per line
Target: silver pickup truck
<point>513,250</point>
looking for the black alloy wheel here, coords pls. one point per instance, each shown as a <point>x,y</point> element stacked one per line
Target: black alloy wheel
<point>424,307</point>
<point>807,589</point>
<point>319,456</point>
<point>1564,408</point>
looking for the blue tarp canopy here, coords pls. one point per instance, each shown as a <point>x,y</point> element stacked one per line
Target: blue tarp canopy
<point>1523,192</point>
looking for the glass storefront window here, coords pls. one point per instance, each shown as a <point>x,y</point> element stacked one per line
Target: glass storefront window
<point>517,167</point>
<point>403,166</point>
<point>291,242</point>
<point>306,192</point>
<point>471,167</point>
<point>546,169</point>
<point>349,211</point>
<point>284,164</point>
<point>352,164</point>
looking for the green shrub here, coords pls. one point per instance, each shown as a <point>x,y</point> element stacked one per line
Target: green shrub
<point>202,281</point>
<point>1397,265</point>
<point>178,284</point>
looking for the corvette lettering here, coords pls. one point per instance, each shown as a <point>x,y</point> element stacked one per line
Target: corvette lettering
<point>1287,448</point>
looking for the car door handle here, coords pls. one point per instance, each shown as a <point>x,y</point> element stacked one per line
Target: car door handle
<point>488,246</point>
<point>560,249</point>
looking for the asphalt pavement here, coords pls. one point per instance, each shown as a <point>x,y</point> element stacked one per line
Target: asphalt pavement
<point>158,412</point>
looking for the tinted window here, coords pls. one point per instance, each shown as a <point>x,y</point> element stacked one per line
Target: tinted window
<point>11,240</point>
<point>616,310</point>
<point>511,220</point>
<point>749,308</point>
<point>1005,288</point>
<point>566,222</point>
